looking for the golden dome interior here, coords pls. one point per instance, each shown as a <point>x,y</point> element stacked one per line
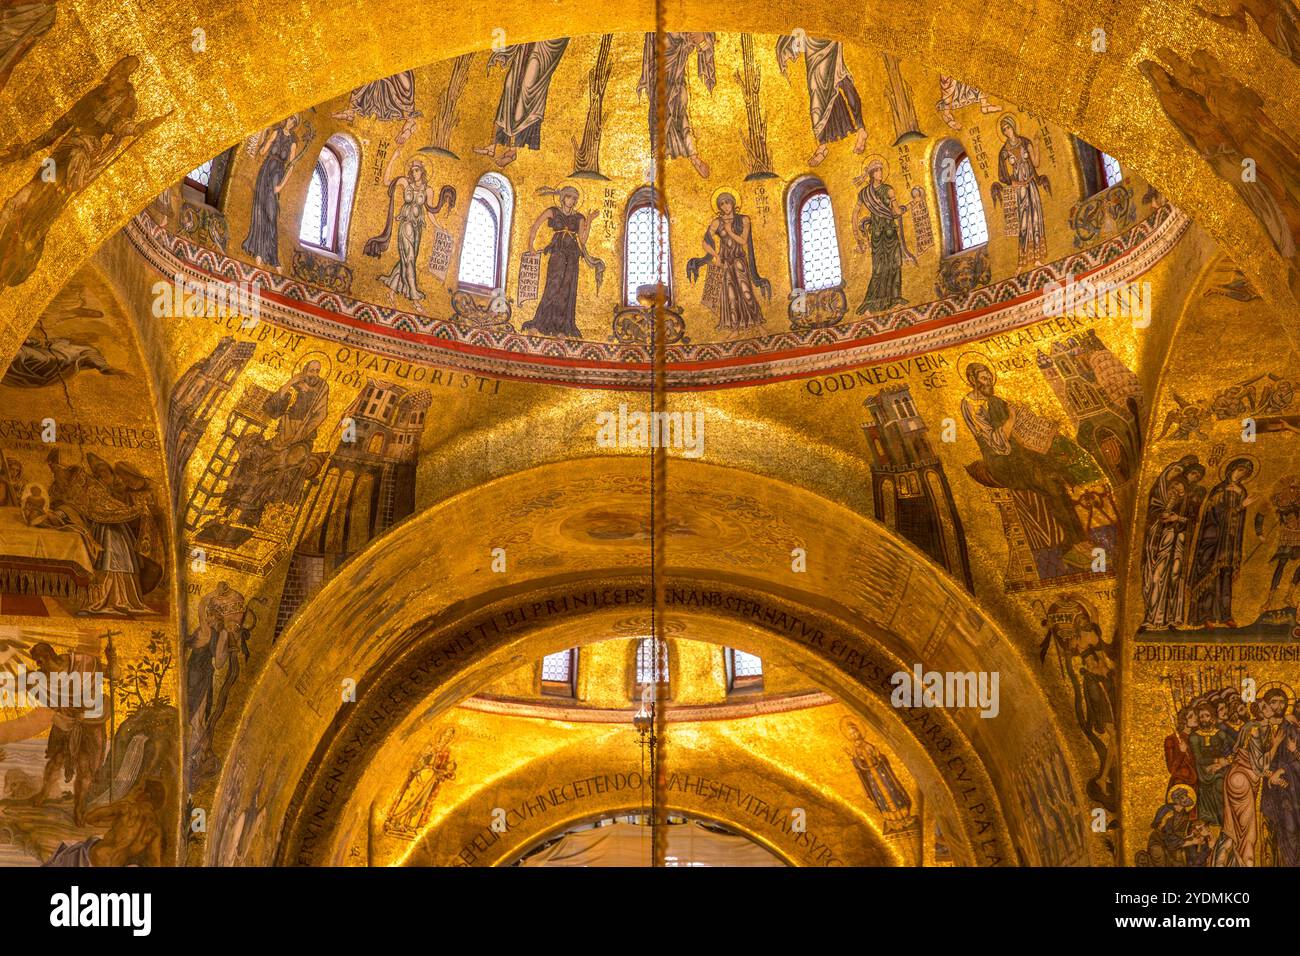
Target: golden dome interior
<point>324,550</point>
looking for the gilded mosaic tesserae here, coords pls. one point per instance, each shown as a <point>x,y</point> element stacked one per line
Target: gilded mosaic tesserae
<point>600,434</point>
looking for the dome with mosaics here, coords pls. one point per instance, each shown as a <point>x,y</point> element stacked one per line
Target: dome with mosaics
<point>523,445</point>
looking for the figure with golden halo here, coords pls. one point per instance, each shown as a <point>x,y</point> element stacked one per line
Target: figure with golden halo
<point>878,777</point>
<point>567,249</point>
<point>1020,180</point>
<point>1217,554</point>
<point>1023,452</point>
<point>878,218</point>
<point>274,470</point>
<point>1177,838</point>
<point>733,282</point>
<point>414,805</point>
<point>1251,767</point>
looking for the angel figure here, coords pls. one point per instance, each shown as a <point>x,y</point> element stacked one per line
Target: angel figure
<point>1185,420</point>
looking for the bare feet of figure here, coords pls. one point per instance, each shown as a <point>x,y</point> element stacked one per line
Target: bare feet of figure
<point>407,129</point>
<point>701,166</point>
<point>818,155</point>
<point>504,159</point>
<point>860,144</point>
<point>346,116</point>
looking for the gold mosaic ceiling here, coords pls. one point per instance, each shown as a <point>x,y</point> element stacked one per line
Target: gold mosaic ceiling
<point>1097,675</point>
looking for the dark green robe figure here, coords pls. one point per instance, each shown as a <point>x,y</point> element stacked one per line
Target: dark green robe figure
<point>1210,752</point>
<point>879,217</point>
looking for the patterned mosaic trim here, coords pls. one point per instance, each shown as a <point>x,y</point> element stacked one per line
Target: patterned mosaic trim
<point>502,352</point>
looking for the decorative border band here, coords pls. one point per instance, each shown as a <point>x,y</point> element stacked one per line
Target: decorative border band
<point>502,352</point>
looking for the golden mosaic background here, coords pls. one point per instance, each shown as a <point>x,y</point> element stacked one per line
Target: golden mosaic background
<point>444,651</point>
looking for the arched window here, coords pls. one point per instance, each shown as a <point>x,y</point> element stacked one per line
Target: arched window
<point>485,250</point>
<point>744,671</point>
<point>314,219</point>
<point>645,662</point>
<point>560,673</point>
<point>962,208</point>
<point>647,256</point>
<point>328,208</point>
<point>814,244</point>
<point>1100,170</point>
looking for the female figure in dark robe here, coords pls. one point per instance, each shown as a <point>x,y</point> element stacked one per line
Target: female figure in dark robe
<point>678,48</point>
<point>879,217</point>
<point>1217,555</point>
<point>416,194</point>
<point>733,282</point>
<point>522,107</point>
<point>556,312</point>
<point>279,150</point>
<point>392,98</point>
<point>833,101</point>
<point>1018,176</point>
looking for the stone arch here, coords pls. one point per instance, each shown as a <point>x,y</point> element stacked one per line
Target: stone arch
<point>424,624</point>
<point>836,835</point>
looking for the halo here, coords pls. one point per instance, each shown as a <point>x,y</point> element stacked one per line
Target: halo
<point>729,191</point>
<point>867,163</point>
<point>326,367</point>
<point>972,355</point>
<point>846,722</point>
<point>1286,688</point>
<point>1169,797</point>
<point>1254,465</point>
<point>876,158</point>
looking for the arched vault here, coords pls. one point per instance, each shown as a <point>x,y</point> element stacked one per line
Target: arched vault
<point>420,620</point>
